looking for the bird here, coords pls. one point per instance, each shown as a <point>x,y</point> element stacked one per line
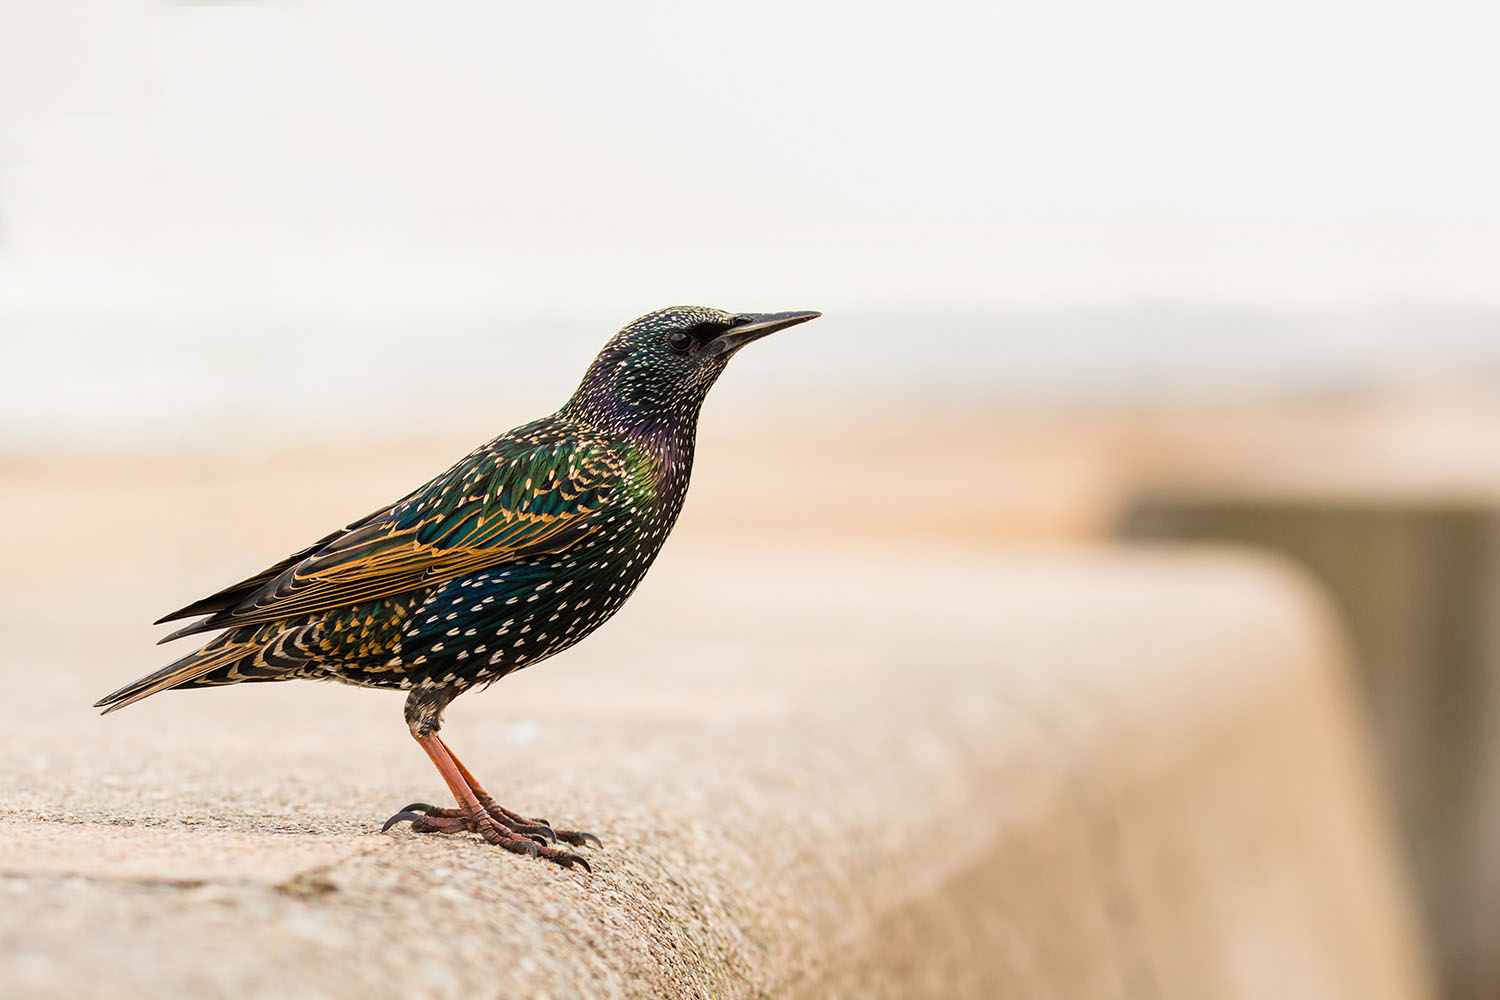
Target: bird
<point>514,554</point>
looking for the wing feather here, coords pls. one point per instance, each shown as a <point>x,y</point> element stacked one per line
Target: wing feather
<point>489,509</point>
<point>230,596</point>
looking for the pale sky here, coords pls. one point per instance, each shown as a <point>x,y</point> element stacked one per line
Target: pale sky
<point>961,152</point>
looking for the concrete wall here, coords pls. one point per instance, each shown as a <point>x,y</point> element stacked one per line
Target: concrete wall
<point>1418,583</point>
<point>1080,774</point>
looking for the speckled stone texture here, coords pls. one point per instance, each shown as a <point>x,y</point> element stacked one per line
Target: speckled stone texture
<point>1072,774</point>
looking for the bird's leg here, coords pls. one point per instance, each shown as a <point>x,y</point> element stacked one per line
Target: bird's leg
<point>472,815</point>
<point>456,819</point>
<point>516,822</point>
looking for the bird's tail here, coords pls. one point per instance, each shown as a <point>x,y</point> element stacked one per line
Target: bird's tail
<point>262,653</point>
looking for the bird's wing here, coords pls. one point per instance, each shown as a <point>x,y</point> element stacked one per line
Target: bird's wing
<point>230,596</point>
<point>498,505</point>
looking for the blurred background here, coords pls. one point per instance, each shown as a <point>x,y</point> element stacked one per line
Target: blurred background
<point>1166,270</point>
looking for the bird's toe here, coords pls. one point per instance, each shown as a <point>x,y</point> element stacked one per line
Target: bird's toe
<point>404,816</point>
<point>578,838</point>
<point>565,858</point>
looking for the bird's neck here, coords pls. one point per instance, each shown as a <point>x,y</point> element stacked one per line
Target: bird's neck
<point>664,437</point>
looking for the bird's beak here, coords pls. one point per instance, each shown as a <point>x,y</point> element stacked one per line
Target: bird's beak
<point>753,326</point>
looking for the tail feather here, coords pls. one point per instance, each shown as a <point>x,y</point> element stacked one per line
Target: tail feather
<point>225,657</point>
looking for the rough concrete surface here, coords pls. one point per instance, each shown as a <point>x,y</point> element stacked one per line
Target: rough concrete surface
<point>1417,580</point>
<point>1066,774</point>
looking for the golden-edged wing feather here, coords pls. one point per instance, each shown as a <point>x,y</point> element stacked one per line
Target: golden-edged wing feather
<point>498,505</point>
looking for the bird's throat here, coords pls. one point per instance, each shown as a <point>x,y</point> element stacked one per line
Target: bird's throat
<point>667,446</point>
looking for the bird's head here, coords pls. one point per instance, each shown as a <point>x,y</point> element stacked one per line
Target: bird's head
<point>663,364</point>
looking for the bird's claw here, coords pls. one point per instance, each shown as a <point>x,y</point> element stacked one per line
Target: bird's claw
<point>526,826</point>
<point>499,826</point>
<point>540,834</point>
<point>531,847</point>
<point>518,845</point>
<point>578,838</point>
<point>405,815</point>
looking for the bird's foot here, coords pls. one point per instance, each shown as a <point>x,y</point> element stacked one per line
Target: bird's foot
<point>537,829</point>
<point>577,838</point>
<point>502,836</point>
<point>478,813</point>
<point>498,826</point>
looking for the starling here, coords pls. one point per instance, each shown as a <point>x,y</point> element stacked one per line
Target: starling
<point>524,547</point>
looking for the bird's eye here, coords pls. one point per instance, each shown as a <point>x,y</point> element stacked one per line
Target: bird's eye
<point>679,341</point>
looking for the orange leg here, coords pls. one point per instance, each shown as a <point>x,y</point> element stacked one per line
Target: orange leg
<point>479,813</point>
<point>575,837</point>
